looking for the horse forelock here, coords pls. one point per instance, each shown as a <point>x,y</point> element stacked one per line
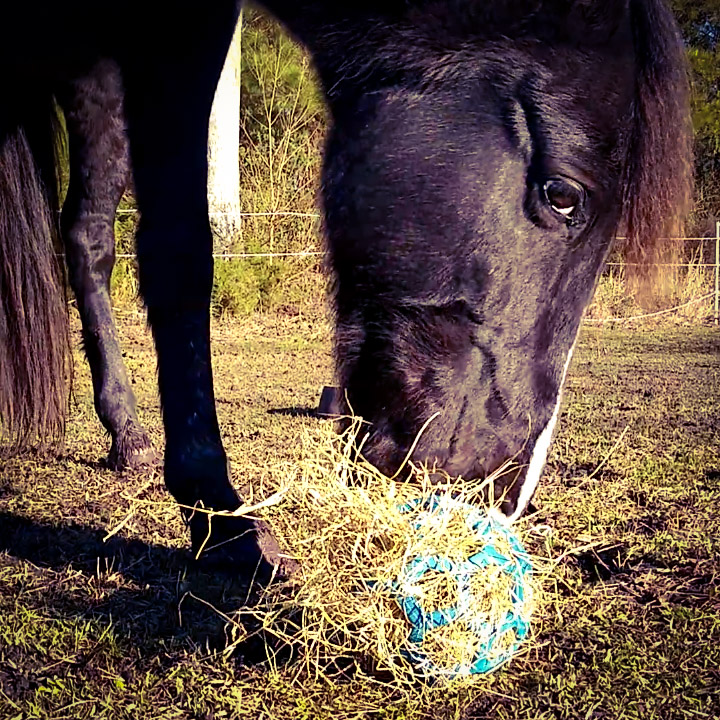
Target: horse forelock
<point>432,27</point>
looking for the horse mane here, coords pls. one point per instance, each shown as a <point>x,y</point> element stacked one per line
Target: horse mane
<point>657,184</point>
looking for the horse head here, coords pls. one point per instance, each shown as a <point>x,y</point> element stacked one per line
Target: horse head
<point>481,159</point>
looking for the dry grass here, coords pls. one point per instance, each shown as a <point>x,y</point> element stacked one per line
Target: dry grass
<point>680,290</point>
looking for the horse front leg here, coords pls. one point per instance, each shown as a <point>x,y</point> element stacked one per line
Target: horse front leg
<point>168,101</point>
<point>98,176</point>
<point>176,270</point>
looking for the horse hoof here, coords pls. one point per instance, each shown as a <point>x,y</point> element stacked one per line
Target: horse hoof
<point>130,449</point>
<point>237,546</point>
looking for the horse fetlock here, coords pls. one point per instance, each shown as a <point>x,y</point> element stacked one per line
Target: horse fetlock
<point>131,448</point>
<point>233,544</point>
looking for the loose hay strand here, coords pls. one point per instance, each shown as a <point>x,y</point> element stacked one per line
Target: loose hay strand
<point>352,532</point>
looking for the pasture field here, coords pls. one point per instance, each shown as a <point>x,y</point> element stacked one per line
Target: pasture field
<point>629,509</point>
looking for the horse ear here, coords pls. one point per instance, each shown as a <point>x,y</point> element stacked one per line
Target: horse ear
<point>657,187</point>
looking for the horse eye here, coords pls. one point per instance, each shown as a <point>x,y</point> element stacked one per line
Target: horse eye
<point>564,196</point>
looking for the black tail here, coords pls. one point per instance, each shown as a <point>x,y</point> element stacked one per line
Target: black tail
<point>34,358</point>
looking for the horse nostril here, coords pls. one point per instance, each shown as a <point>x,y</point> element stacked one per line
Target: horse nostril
<point>508,507</point>
<point>506,491</point>
<point>436,477</point>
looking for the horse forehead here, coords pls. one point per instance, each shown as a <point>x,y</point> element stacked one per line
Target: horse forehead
<point>584,21</point>
<point>507,41</point>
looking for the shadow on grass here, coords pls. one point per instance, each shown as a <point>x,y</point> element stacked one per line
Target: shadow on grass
<point>152,602</point>
<point>296,412</point>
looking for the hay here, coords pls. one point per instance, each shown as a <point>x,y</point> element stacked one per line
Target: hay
<point>351,534</point>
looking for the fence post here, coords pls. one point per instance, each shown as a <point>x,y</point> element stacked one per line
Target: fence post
<point>717,273</point>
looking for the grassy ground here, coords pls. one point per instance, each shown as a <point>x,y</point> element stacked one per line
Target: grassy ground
<point>629,508</point>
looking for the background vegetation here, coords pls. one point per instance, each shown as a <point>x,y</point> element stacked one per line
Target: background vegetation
<point>700,23</point>
<point>281,135</point>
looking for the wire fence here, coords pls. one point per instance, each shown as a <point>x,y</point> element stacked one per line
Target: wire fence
<point>700,265</point>
<point>313,252</point>
<point>236,256</point>
<point>647,316</point>
<point>697,274</point>
<point>281,213</point>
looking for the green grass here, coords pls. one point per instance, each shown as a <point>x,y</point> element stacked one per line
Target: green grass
<point>629,508</point>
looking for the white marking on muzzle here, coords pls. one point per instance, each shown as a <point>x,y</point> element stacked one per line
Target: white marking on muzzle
<point>539,456</point>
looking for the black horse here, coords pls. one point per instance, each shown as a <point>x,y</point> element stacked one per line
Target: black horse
<point>481,158</point>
